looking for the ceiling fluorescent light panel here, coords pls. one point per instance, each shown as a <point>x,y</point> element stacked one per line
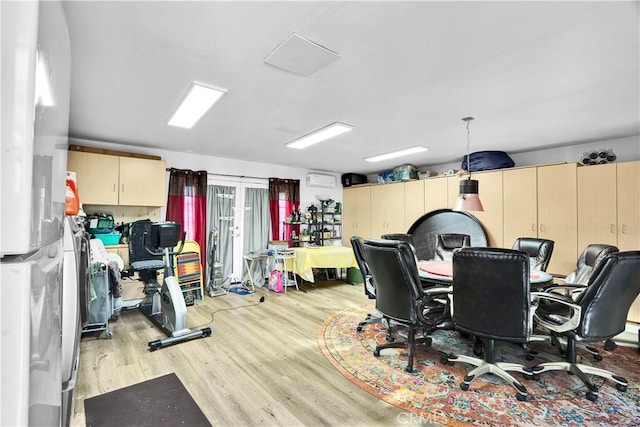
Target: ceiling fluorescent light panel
<point>320,135</point>
<point>196,103</point>
<point>400,153</point>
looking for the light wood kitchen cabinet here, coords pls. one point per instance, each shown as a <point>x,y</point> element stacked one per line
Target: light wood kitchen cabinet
<point>453,190</point>
<point>519,204</point>
<point>114,180</point>
<point>628,192</point>
<point>558,214</point>
<point>356,213</point>
<point>490,192</point>
<point>597,211</point>
<point>607,216</point>
<point>436,194</point>
<point>628,216</point>
<point>142,182</point>
<point>413,201</point>
<point>97,176</point>
<point>387,209</point>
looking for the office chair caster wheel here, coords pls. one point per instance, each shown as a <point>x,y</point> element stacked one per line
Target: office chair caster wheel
<point>621,387</point>
<point>108,335</point>
<point>610,345</point>
<point>531,377</point>
<point>359,328</point>
<point>464,386</point>
<point>376,353</point>
<point>597,357</point>
<point>478,349</point>
<point>591,396</point>
<point>445,361</point>
<point>521,397</point>
<point>529,356</point>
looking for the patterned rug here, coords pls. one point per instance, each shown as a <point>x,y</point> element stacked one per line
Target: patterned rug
<point>433,392</point>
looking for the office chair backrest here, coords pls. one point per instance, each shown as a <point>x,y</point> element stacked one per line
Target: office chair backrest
<point>395,272</point>
<point>399,236</point>
<point>612,288</point>
<point>491,296</point>
<point>447,244</point>
<point>137,251</point>
<point>539,251</point>
<point>589,258</point>
<point>358,251</point>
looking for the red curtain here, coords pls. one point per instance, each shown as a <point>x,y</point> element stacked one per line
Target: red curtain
<point>187,205</point>
<point>290,189</point>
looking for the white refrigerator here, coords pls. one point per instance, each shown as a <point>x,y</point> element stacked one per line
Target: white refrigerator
<point>36,64</point>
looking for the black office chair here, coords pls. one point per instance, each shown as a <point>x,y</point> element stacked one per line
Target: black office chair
<point>597,314</point>
<point>399,236</point>
<point>357,244</point>
<point>539,251</point>
<point>447,244</point>
<point>575,282</point>
<point>491,301</point>
<point>399,293</point>
<point>587,262</point>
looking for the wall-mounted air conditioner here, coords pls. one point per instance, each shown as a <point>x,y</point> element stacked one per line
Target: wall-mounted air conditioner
<point>321,180</point>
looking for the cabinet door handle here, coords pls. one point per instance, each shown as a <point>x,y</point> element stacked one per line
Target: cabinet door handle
<point>114,188</point>
<point>123,188</point>
<point>542,228</point>
<point>623,229</point>
<point>533,226</point>
<point>613,229</point>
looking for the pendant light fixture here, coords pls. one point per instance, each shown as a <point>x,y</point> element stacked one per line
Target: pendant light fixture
<point>468,199</point>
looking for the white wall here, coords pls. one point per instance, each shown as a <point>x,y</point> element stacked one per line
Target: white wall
<point>626,149</point>
<point>219,165</point>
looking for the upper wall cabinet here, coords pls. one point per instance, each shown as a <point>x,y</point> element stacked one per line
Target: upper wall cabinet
<point>628,191</point>
<point>520,204</point>
<point>558,214</point>
<point>435,194</point>
<point>609,205</point>
<point>387,209</point>
<point>490,192</point>
<point>356,213</point>
<point>413,201</point>
<point>114,180</point>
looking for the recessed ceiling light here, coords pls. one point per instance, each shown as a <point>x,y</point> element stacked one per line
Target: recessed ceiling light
<point>334,129</point>
<point>196,103</point>
<point>399,153</point>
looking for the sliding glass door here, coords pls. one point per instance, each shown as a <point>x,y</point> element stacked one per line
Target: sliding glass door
<point>239,211</point>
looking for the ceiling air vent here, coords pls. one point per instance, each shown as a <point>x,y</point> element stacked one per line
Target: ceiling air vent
<point>320,180</point>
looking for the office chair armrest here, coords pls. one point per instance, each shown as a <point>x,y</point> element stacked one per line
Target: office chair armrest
<point>440,290</point>
<point>566,289</point>
<point>570,324</point>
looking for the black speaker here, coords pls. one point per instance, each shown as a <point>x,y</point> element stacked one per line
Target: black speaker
<point>349,179</point>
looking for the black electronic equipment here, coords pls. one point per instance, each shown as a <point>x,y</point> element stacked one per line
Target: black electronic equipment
<point>349,179</point>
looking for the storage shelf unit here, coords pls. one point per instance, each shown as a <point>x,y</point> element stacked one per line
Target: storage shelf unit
<point>321,228</point>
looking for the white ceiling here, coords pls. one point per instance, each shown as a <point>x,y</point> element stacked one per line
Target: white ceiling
<point>533,74</point>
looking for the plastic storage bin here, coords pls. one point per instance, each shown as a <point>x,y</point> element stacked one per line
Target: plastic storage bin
<point>109,239</point>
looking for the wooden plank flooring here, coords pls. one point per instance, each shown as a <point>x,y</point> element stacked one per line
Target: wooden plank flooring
<point>261,365</point>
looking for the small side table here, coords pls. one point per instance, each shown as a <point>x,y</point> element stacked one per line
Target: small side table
<point>249,261</point>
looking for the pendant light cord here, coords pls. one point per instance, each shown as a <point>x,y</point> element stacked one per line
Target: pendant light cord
<point>468,119</point>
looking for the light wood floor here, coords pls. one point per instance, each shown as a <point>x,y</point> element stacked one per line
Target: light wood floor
<point>260,367</point>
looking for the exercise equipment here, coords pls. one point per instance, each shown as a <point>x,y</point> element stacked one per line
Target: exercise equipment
<point>215,277</point>
<point>163,304</point>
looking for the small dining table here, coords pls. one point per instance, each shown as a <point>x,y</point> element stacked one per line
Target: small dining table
<point>441,273</point>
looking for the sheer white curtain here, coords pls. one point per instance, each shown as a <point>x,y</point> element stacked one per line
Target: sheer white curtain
<point>257,224</point>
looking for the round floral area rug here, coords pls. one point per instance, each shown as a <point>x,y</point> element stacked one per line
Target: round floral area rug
<point>433,391</point>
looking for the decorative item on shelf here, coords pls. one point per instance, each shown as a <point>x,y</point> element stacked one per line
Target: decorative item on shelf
<point>598,157</point>
<point>469,200</point>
